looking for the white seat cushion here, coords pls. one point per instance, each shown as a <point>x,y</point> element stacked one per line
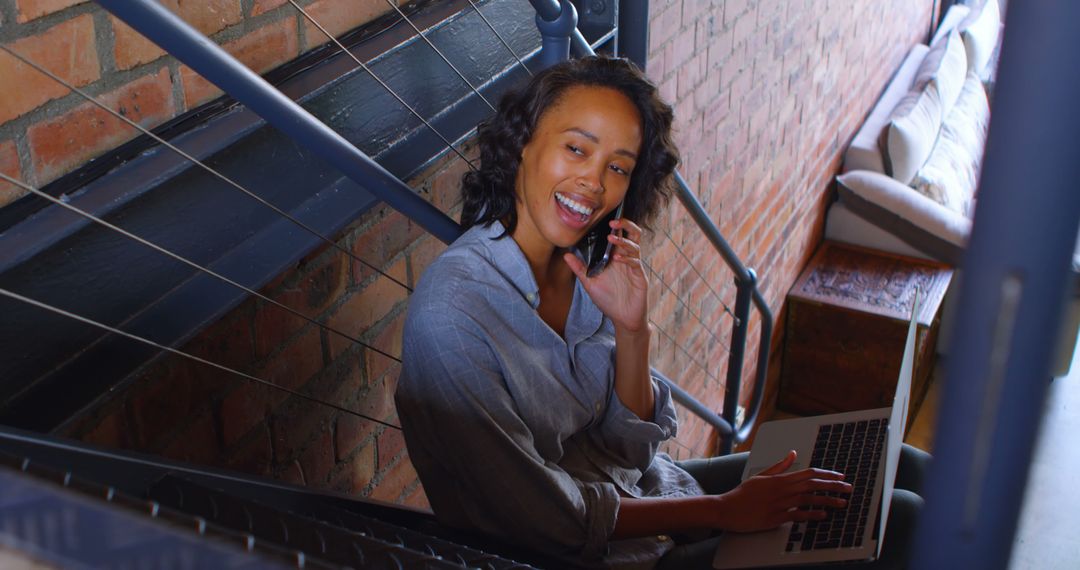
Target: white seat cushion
<point>903,212</point>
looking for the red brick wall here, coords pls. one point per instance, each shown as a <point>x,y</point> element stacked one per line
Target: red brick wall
<point>45,131</point>
<point>767,95</point>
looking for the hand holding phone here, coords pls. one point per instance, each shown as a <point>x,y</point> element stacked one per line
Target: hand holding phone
<point>621,293</point>
<point>595,248</point>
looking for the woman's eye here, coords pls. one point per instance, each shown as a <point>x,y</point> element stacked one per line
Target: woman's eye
<point>574,149</point>
<point>618,170</point>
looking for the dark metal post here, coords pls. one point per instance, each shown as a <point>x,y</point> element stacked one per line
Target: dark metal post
<point>549,10</point>
<point>204,56</point>
<point>744,289</point>
<point>555,34</point>
<point>634,31</point>
<point>1016,277</point>
<point>764,345</point>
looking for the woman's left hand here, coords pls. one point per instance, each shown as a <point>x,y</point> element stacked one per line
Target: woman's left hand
<point>621,290</point>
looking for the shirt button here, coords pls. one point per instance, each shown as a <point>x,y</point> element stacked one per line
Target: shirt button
<point>663,538</point>
<point>531,297</point>
<point>597,406</point>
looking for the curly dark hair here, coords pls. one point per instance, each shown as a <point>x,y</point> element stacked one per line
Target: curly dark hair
<point>489,193</point>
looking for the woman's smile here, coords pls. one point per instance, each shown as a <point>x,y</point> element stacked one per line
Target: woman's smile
<point>574,209</point>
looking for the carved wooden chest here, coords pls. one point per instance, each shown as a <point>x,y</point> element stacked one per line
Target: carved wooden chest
<point>846,325</point>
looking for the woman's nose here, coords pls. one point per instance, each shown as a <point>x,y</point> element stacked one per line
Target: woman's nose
<point>589,180</point>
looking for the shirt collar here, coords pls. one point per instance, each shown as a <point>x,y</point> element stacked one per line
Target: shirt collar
<point>510,261</point>
<point>507,258</point>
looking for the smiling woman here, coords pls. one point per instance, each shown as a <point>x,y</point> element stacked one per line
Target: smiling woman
<point>559,157</point>
<point>526,396</point>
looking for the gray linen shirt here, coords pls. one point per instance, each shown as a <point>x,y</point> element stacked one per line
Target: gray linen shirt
<point>516,431</point>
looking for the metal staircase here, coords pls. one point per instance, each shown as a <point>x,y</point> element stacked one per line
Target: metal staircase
<point>1008,316</point>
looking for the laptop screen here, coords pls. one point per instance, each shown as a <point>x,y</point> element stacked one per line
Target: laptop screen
<point>898,419</point>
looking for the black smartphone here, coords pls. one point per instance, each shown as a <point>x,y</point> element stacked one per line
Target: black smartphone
<point>594,249</point>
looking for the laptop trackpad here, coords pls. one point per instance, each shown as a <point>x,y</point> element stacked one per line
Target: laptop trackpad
<point>757,469</point>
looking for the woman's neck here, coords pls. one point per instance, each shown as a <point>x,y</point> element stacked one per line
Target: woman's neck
<point>550,271</point>
<point>545,260</point>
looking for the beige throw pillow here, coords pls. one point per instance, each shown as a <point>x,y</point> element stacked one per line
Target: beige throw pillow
<point>911,134</point>
<point>951,174</point>
<point>946,63</point>
<point>980,32</point>
<point>913,130</point>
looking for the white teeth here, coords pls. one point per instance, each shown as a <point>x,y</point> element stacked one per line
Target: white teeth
<point>575,206</point>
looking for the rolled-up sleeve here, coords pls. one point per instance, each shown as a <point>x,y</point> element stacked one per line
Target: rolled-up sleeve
<point>633,440</point>
<point>475,454</point>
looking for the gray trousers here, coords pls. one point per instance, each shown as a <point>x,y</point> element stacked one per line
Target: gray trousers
<point>721,474</point>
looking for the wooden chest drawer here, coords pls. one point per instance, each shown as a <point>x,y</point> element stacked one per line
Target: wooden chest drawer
<point>847,319</point>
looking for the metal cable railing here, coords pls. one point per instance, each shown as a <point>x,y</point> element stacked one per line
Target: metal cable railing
<point>186,44</point>
<point>560,37</point>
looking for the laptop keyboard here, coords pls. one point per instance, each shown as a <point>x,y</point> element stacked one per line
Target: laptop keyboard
<point>853,449</point>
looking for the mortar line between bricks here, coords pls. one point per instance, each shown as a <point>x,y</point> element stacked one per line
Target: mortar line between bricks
<point>104,43</point>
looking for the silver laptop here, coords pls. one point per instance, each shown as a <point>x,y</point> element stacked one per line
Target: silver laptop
<point>854,533</point>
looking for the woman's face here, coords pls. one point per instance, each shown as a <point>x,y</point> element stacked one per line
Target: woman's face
<point>576,167</point>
